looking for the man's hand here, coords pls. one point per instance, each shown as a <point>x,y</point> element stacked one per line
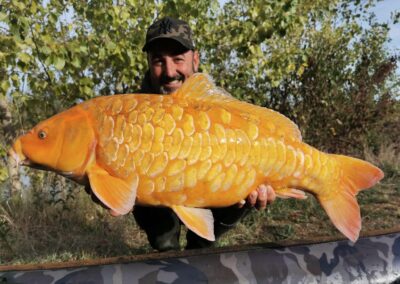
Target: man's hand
<point>260,197</point>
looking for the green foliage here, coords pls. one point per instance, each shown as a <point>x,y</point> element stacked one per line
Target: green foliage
<point>3,170</point>
<point>60,53</point>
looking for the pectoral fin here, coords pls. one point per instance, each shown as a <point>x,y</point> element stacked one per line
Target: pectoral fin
<point>198,220</point>
<point>117,194</point>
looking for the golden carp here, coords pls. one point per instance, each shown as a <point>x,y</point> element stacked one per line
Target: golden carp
<point>194,149</point>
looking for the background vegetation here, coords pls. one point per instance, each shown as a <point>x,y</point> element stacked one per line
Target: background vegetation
<point>324,63</point>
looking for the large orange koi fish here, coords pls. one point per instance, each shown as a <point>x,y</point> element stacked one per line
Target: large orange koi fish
<point>194,149</point>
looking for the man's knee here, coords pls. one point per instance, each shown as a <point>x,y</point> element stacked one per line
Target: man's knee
<point>161,225</point>
<point>165,242</point>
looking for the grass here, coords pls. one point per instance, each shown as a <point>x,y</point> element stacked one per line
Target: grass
<point>35,231</point>
<point>79,229</point>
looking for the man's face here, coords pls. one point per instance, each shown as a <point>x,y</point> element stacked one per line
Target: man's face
<point>170,65</point>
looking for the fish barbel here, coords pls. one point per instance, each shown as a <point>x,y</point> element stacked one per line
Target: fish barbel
<point>192,150</point>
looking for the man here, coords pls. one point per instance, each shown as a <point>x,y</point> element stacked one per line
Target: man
<point>172,58</point>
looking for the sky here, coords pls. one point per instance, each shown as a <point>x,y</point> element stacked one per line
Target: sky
<point>383,12</point>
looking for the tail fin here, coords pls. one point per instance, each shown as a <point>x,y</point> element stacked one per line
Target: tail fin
<point>342,208</point>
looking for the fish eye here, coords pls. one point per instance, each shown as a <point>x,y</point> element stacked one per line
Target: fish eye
<point>42,134</point>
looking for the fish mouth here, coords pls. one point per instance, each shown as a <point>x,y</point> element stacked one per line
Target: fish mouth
<point>15,154</point>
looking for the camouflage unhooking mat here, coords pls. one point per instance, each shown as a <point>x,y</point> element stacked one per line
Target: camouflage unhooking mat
<point>372,259</point>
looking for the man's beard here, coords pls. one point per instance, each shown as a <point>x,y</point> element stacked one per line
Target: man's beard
<point>166,80</point>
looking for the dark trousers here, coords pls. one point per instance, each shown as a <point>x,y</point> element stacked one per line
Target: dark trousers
<point>163,227</point>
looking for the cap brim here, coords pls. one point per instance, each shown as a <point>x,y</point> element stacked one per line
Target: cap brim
<point>183,43</point>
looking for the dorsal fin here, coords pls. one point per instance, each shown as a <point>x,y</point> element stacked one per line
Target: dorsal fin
<point>200,87</point>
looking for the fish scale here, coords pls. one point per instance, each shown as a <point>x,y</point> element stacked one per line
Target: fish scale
<point>191,150</point>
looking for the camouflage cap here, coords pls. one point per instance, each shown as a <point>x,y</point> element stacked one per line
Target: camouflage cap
<point>169,28</point>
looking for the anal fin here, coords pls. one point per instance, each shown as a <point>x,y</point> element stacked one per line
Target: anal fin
<point>198,220</point>
<point>117,194</point>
